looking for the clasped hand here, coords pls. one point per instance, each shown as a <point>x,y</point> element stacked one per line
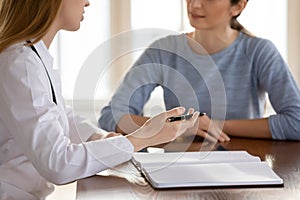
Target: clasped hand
<point>209,129</point>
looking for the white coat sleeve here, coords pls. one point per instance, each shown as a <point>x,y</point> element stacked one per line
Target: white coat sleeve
<point>37,125</point>
<point>81,129</point>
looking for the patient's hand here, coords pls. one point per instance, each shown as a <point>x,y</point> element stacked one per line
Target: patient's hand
<point>211,130</point>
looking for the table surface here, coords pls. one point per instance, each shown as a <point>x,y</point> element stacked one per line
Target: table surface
<point>282,156</point>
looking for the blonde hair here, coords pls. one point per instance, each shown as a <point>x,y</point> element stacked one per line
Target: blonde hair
<point>22,20</point>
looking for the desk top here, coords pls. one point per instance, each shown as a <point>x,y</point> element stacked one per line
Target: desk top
<point>282,156</point>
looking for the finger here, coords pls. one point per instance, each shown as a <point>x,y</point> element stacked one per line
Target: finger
<point>185,124</point>
<point>112,134</point>
<point>207,136</point>
<point>219,128</point>
<point>225,137</point>
<point>214,130</point>
<point>191,111</point>
<point>219,134</point>
<point>175,112</point>
<point>212,133</point>
<point>194,119</point>
<point>190,122</point>
<point>216,133</point>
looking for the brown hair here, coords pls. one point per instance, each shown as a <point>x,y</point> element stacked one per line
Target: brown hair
<point>22,20</point>
<point>235,24</point>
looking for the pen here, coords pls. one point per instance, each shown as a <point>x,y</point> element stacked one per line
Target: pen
<point>183,117</point>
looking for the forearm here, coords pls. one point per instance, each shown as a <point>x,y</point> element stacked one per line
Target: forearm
<point>130,123</point>
<point>256,128</point>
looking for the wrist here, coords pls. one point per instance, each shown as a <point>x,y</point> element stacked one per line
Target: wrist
<point>95,136</point>
<point>136,142</point>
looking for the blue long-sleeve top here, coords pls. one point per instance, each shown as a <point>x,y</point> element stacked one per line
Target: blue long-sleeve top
<point>230,84</point>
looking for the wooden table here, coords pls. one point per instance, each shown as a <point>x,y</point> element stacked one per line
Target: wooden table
<point>282,156</point>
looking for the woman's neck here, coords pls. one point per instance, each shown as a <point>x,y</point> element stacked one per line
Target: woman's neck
<point>48,38</point>
<point>211,41</point>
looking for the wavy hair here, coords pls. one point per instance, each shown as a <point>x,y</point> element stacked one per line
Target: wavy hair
<point>22,20</point>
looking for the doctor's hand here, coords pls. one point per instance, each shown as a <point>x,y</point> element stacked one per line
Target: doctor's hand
<point>112,134</point>
<point>99,136</point>
<point>159,130</point>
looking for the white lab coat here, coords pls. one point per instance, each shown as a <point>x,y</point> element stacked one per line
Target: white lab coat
<point>40,142</point>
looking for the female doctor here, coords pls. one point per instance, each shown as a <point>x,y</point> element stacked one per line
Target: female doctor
<point>41,141</point>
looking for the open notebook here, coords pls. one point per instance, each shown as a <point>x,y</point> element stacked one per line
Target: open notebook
<point>205,169</point>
